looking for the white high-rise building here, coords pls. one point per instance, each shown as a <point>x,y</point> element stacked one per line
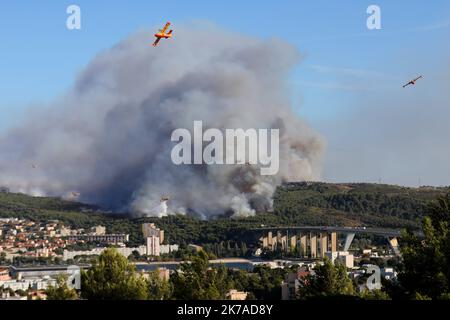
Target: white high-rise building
<point>150,229</point>
<point>344,257</point>
<point>153,246</point>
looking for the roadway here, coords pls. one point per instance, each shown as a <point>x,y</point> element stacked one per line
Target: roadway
<point>346,230</point>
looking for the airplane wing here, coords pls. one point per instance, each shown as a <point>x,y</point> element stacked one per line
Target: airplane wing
<point>406,84</point>
<point>156,42</point>
<point>418,78</point>
<point>166,27</point>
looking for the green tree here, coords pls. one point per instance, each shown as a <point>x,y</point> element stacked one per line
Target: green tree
<point>418,296</point>
<point>426,261</point>
<point>265,283</point>
<point>159,289</point>
<point>374,295</point>
<point>3,259</point>
<point>196,281</point>
<point>135,256</point>
<point>439,211</point>
<point>61,291</point>
<point>21,293</point>
<point>112,277</point>
<point>328,280</point>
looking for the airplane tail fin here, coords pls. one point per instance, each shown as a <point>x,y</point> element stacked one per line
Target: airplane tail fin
<point>170,32</point>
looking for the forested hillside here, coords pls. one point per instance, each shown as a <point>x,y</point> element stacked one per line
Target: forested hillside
<point>294,204</point>
<point>357,204</point>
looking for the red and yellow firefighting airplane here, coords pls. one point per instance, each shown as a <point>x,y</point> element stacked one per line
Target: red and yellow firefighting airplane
<point>412,82</point>
<point>162,34</point>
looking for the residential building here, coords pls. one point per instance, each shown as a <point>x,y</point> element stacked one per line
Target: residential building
<point>389,273</point>
<point>153,246</point>
<point>195,247</point>
<point>344,257</point>
<point>125,251</point>
<point>291,284</point>
<point>99,230</point>
<point>150,230</point>
<point>106,238</point>
<point>64,232</point>
<point>26,284</point>
<point>168,248</point>
<point>5,296</point>
<point>236,295</point>
<point>4,275</point>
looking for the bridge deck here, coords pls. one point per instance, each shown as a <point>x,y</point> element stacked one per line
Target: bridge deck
<point>374,231</point>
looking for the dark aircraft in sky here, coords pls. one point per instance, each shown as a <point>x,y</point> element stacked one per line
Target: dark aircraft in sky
<point>412,82</point>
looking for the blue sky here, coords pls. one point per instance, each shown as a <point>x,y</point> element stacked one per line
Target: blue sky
<point>343,62</point>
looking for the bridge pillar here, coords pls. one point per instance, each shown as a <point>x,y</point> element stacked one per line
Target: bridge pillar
<point>265,243</point>
<point>270,240</point>
<point>348,241</point>
<point>303,243</point>
<point>283,242</point>
<point>279,240</point>
<point>333,242</point>
<point>323,242</point>
<point>393,242</point>
<point>293,242</point>
<point>313,245</point>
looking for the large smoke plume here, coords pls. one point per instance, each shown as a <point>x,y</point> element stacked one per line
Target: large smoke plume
<point>107,141</point>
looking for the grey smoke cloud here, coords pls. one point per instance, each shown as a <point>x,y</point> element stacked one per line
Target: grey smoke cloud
<point>108,138</point>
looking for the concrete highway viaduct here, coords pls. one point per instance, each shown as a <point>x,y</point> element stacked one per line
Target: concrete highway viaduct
<point>316,241</point>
